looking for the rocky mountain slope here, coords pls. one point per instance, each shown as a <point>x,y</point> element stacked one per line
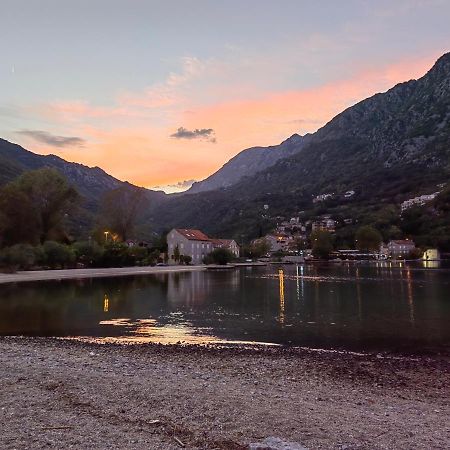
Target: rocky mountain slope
<point>386,148</point>
<point>248,162</point>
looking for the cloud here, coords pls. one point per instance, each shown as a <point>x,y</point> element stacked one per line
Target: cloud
<point>181,186</point>
<point>50,139</point>
<point>197,133</point>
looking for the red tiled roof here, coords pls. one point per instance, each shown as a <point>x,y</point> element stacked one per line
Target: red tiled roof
<point>403,242</point>
<point>192,235</point>
<point>225,242</point>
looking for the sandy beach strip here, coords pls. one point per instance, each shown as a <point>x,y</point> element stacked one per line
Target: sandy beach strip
<point>67,394</point>
<point>42,275</point>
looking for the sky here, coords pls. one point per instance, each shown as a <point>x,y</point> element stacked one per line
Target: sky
<point>162,93</point>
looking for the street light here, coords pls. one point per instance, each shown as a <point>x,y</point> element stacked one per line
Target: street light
<point>106,235</point>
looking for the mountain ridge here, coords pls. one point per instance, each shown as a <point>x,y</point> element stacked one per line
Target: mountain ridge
<point>248,162</point>
<point>385,147</point>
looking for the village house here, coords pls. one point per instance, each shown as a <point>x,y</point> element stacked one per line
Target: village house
<point>325,224</point>
<point>349,194</point>
<point>322,197</point>
<point>229,244</point>
<point>279,242</point>
<point>196,244</point>
<point>417,201</point>
<point>400,248</point>
<point>431,254</point>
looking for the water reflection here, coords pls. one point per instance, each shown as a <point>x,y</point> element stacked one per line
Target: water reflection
<point>378,306</point>
<point>281,278</point>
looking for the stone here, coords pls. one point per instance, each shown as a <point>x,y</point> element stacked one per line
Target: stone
<point>274,443</point>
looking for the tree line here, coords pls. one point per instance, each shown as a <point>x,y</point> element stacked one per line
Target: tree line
<point>36,216</point>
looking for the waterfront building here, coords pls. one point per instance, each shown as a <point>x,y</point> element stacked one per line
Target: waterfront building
<point>196,244</point>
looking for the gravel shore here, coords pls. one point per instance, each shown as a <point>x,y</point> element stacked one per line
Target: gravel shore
<point>66,394</point>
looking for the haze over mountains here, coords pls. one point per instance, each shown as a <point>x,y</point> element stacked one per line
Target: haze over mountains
<point>386,148</point>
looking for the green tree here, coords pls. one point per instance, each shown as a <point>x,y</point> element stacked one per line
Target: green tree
<point>176,254</point>
<point>34,206</point>
<point>368,239</point>
<point>17,224</point>
<point>51,199</point>
<point>121,209</point>
<point>322,243</point>
<point>259,248</point>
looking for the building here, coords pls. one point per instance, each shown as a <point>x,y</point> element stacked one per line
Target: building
<point>400,248</point>
<point>279,242</point>
<point>193,243</point>
<point>349,194</point>
<point>325,224</point>
<point>432,254</point>
<point>196,244</point>
<point>418,201</point>
<point>229,244</point>
<point>322,197</point>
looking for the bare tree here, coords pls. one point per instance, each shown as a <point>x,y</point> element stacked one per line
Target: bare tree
<point>121,208</point>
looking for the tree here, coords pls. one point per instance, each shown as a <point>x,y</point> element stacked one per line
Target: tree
<point>121,208</point>
<point>176,254</point>
<point>259,248</point>
<point>17,225</point>
<point>368,239</point>
<point>322,243</point>
<point>45,199</point>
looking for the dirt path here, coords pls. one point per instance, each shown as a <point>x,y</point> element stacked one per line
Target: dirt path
<point>65,394</point>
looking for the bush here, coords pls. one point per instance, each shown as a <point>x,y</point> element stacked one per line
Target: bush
<point>19,256</point>
<point>220,256</point>
<point>185,259</point>
<point>58,255</point>
<point>88,253</point>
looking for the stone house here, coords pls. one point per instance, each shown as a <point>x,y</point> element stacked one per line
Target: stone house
<point>196,244</point>
<point>400,248</point>
<point>193,243</point>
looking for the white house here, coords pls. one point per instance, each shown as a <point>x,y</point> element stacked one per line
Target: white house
<point>400,248</point>
<point>196,244</point>
<point>418,201</point>
<point>193,243</point>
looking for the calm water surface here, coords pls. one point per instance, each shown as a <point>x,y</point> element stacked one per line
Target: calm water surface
<point>356,307</point>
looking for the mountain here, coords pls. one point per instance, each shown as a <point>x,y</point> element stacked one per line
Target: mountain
<point>386,148</point>
<point>90,182</point>
<point>249,162</point>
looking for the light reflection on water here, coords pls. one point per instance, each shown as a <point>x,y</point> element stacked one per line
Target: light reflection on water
<point>382,306</point>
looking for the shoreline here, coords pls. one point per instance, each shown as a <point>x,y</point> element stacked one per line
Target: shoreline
<point>68,274</point>
<point>63,393</point>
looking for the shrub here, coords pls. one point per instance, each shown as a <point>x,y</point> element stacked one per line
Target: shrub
<point>220,256</point>
<point>185,259</point>
<point>18,256</point>
<point>88,253</point>
<point>58,255</point>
